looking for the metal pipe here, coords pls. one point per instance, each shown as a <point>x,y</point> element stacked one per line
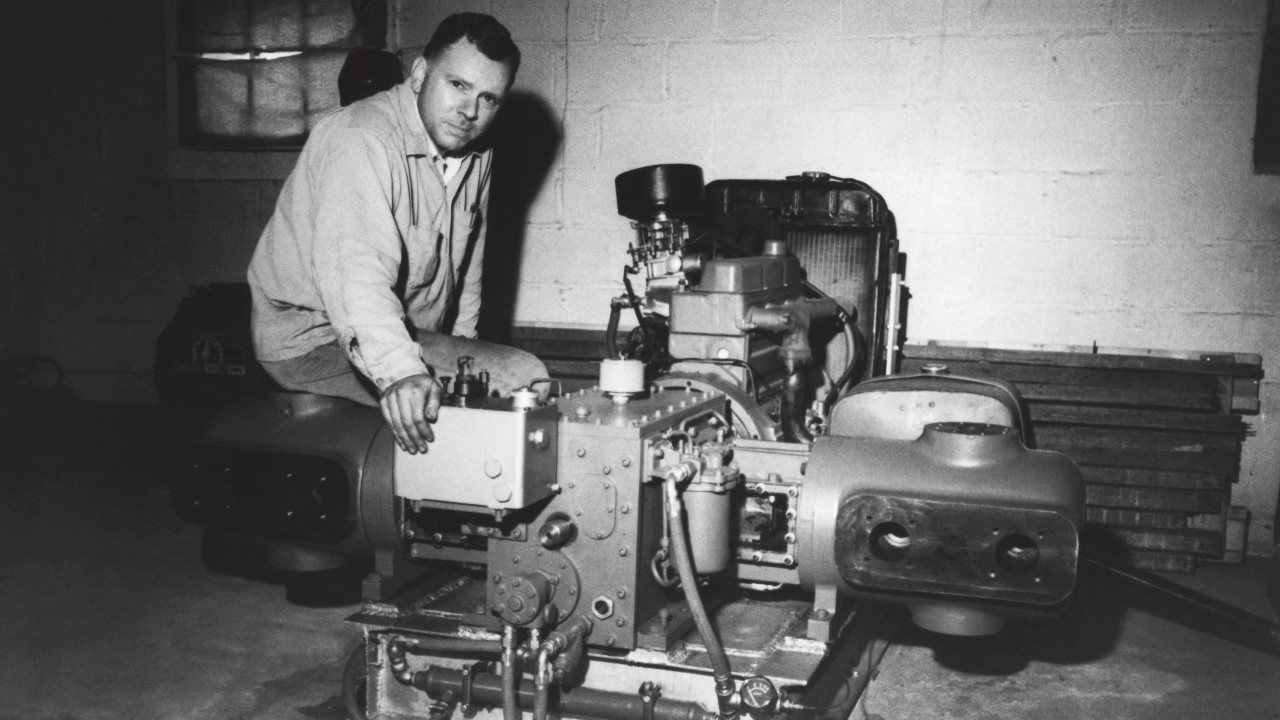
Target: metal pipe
<point>432,644</point>
<point>793,407</point>
<point>1264,633</point>
<point>581,701</point>
<point>542,683</point>
<point>510,710</point>
<point>684,565</point>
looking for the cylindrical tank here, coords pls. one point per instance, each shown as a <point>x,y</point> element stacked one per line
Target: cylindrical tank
<point>964,524</point>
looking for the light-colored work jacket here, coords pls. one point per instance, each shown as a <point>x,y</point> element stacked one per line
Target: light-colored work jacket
<point>366,235</point>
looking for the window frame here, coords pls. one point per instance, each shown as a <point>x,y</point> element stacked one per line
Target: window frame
<point>186,162</point>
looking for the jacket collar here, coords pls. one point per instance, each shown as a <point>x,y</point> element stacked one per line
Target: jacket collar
<point>416,140</point>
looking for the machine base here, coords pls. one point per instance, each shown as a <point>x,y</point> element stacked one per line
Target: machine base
<point>763,634</point>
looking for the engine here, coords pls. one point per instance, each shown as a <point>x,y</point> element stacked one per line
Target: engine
<point>697,536</point>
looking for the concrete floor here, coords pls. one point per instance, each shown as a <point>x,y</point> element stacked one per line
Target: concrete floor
<point>109,613</point>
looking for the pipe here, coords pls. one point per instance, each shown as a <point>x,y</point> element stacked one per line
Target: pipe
<point>580,702</point>
<point>793,407</point>
<point>542,683</point>
<point>510,710</point>
<point>451,645</point>
<point>397,649</point>
<point>611,330</point>
<point>1263,633</point>
<point>684,565</point>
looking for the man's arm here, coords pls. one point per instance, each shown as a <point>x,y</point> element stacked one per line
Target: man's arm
<point>357,256</point>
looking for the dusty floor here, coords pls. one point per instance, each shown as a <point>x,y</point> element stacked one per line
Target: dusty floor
<point>109,613</point>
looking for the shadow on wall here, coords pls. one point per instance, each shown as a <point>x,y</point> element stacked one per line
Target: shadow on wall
<point>526,138</point>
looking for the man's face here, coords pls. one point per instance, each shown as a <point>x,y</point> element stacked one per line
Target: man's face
<point>458,94</point>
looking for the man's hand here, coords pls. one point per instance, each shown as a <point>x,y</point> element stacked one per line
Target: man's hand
<point>409,405</point>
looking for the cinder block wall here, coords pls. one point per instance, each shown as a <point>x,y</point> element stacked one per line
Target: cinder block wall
<point>1074,172</point>
<point>1066,173</point>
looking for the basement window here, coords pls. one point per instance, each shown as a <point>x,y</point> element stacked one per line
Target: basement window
<point>257,75</point>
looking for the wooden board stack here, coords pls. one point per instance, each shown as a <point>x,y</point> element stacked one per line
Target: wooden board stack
<point>1158,437</point>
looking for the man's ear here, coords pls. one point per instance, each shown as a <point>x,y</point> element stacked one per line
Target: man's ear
<point>418,75</point>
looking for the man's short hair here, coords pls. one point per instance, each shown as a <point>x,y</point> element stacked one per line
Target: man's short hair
<point>484,31</point>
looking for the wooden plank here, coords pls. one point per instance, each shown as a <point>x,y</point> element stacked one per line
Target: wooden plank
<point>1211,461</point>
<point>1154,499</point>
<point>1205,543</point>
<point>1159,519</point>
<point>559,342</point>
<point>572,368</point>
<point>1141,397</point>
<point>1094,377</point>
<point>1155,479</point>
<point>1134,417</point>
<point>1163,561</point>
<point>1082,436</point>
<point>1083,360</point>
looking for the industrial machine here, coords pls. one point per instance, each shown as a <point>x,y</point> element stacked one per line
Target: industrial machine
<point>707,533</point>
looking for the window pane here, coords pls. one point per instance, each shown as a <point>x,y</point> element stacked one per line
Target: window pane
<point>240,25</point>
<point>263,102</point>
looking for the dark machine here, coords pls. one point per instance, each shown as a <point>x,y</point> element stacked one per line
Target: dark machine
<point>723,526</point>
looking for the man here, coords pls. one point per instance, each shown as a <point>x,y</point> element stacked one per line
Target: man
<point>378,236</point>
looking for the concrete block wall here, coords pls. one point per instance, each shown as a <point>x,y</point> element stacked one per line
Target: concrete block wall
<point>1066,173</point>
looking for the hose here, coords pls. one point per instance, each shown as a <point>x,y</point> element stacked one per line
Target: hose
<point>684,565</point>
<point>793,426</point>
<point>510,708</point>
<point>857,360</point>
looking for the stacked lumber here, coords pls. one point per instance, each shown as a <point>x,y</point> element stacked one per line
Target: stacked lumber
<point>1157,438</point>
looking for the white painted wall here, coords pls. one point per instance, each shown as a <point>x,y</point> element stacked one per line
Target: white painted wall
<point>1073,172</point>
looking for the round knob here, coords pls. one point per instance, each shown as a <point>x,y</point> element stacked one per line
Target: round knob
<point>556,531</point>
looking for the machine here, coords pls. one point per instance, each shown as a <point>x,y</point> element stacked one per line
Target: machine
<point>709,532</point>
